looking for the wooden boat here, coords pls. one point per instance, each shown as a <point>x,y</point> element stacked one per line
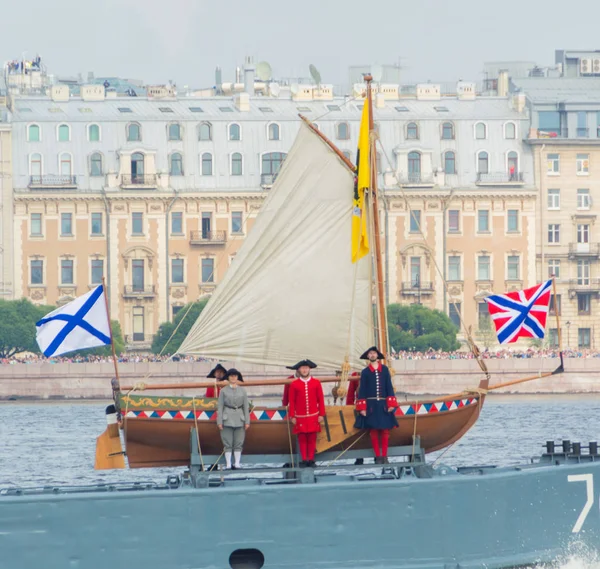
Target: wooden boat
<point>293,292</point>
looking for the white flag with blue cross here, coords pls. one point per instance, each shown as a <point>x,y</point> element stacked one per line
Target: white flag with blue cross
<point>80,324</point>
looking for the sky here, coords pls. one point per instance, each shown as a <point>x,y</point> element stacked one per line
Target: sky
<point>184,40</point>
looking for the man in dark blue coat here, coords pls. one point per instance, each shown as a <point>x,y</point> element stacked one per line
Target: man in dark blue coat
<point>376,403</point>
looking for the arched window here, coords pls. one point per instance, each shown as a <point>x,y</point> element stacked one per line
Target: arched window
<point>342,131</point>
<point>64,133</point>
<point>483,163</point>
<point>35,166</point>
<point>176,164</point>
<point>347,154</point>
<point>96,164</point>
<point>237,165</point>
<point>510,131</point>
<point>412,131</point>
<point>512,163</point>
<point>450,163</point>
<point>65,164</point>
<point>137,168</point>
<point>33,133</point>
<point>270,165</point>
<point>94,133</point>
<point>447,131</point>
<point>205,131</point>
<point>480,131</point>
<point>273,131</point>
<point>235,132</point>
<point>414,166</point>
<point>134,132</point>
<point>174,131</point>
<point>207,164</point>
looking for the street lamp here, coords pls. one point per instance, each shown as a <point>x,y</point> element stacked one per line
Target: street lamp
<point>568,325</point>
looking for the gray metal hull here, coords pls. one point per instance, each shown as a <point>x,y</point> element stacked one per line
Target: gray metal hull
<point>500,518</point>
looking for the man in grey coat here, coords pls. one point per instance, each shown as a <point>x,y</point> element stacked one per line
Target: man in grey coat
<point>233,417</point>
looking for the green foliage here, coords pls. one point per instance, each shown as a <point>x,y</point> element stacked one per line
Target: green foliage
<point>414,327</point>
<point>17,326</point>
<point>189,315</point>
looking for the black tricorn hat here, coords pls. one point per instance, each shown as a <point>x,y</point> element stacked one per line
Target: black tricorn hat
<point>308,363</point>
<point>365,356</point>
<point>213,370</point>
<point>234,371</point>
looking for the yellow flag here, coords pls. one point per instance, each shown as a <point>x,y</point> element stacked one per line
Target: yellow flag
<point>360,238</point>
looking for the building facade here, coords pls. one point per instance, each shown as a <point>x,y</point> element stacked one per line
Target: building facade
<point>7,290</point>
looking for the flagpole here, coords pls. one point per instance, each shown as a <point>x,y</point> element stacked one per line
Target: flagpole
<point>558,331</point>
<point>116,385</point>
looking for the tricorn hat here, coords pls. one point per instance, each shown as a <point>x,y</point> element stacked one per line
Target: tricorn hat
<point>234,371</point>
<point>308,363</point>
<point>365,356</point>
<point>213,370</point>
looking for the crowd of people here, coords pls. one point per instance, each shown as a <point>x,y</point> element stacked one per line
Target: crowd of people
<point>25,65</point>
<point>129,357</point>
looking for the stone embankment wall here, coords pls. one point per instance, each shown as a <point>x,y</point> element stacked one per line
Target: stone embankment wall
<point>92,381</point>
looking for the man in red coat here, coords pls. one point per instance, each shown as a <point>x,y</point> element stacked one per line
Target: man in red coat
<point>218,373</point>
<point>352,388</point>
<point>306,410</point>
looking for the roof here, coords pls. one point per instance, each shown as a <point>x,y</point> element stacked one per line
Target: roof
<point>559,89</point>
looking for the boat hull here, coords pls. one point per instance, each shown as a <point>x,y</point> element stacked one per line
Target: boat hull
<point>500,519</point>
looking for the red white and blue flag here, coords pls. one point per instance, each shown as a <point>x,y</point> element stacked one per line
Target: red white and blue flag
<point>520,314</point>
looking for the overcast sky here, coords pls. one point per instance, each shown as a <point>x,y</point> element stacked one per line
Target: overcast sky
<point>183,40</point>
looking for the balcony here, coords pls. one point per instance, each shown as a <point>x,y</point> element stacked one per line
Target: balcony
<point>583,285</point>
<point>500,179</point>
<point>208,237</point>
<point>589,250</point>
<point>52,181</point>
<point>513,284</point>
<point>416,180</point>
<point>135,291</point>
<point>139,181</point>
<point>267,180</point>
<point>549,133</point>
<point>206,288</point>
<point>416,288</point>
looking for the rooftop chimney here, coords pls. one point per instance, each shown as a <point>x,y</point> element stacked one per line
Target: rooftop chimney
<point>249,69</point>
<point>218,79</point>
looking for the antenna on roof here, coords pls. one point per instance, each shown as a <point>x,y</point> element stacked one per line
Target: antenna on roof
<point>377,72</point>
<point>263,71</point>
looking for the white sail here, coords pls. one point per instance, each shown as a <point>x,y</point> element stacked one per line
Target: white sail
<point>292,291</point>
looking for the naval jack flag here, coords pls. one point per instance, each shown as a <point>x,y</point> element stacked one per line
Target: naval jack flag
<point>80,324</point>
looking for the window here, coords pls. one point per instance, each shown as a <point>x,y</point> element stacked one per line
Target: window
<point>347,154</point>
<point>134,132</point>
<point>449,163</point>
<point>33,133</point>
<point>555,304</point>
<point>400,109</point>
<point>94,133</point>
<point>582,130</point>
<point>553,164</point>
<point>124,110</point>
<point>453,220</point>
<point>35,229</point>
<point>513,267</point>
<point>554,199</point>
<point>176,223</point>
<point>415,221</point>
<point>35,166</point>
<point>137,223</point>
<point>205,132</point>
<point>483,163</point>
<point>165,109</point>
<point>549,122</point>
<point>583,164</point>
<point>454,313</point>
<point>137,168</point>
<point>453,268</point>
<point>36,272</point>
<point>273,131</point>
<point>207,164</point>
<point>137,275</point>
<point>447,131</point>
<point>583,338</point>
<point>583,233</point>
<point>584,303</point>
<point>97,271</point>
<point>483,221</point>
<point>226,109</point>
<point>64,133</point>
<point>483,268</point>
<point>235,132</point>
<point>237,165</point>
<point>176,309</point>
<point>174,131</point>
<point>554,233</point>
<point>96,164</point>
<point>583,199</point>
<point>176,164</point>
<point>415,272</point>
<point>206,224</point>
<point>65,164</point>
<point>342,131</point>
<point>510,131</point>
<point>583,272</point>
<point>96,228</point>
<point>414,166</point>
<point>483,314</point>
<point>553,337</point>
<point>66,271</point>
<point>177,271</point>
<point>271,163</point>
<point>66,224</point>
<point>513,220</point>
<point>237,222</point>
<point>412,131</point>
<point>208,270</point>
<point>554,268</point>
<point>480,131</point>
<point>513,165</point>
<point>138,323</point>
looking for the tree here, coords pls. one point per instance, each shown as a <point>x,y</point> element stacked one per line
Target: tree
<point>183,322</point>
<point>414,327</point>
<point>17,326</point>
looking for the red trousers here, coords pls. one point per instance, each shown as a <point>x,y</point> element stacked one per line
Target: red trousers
<point>380,449</point>
<point>307,442</point>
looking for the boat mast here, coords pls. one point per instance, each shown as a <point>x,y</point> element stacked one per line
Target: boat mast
<point>381,308</point>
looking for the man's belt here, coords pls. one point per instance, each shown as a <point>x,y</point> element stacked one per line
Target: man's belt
<point>232,407</point>
<point>378,398</point>
<point>305,416</point>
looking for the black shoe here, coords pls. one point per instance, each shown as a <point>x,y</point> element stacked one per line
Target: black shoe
<point>311,464</point>
<point>385,460</point>
<point>359,461</point>
<point>303,464</point>
<point>378,460</point>
<point>234,467</point>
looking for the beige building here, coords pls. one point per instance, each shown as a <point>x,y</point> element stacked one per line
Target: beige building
<point>7,291</point>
